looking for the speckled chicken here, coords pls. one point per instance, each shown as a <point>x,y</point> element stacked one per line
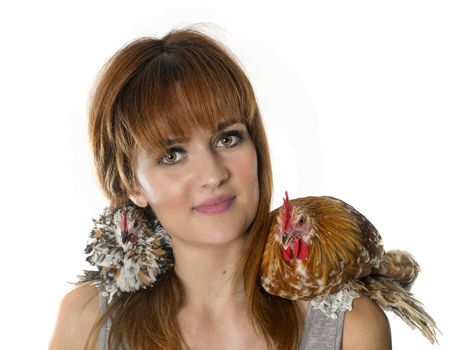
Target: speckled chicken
<point>320,246</point>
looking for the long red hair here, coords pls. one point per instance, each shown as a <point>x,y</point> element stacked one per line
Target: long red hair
<point>152,88</point>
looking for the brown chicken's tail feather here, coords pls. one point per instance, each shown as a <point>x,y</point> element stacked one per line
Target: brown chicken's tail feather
<point>391,296</point>
<point>400,266</point>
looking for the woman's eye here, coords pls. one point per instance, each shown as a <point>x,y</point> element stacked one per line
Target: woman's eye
<point>230,138</point>
<point>227,139</point>
<point>171,157</point>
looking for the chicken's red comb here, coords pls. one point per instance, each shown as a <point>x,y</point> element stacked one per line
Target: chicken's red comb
<point>287,209</point>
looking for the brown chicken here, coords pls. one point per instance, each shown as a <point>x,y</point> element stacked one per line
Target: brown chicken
<point>320,246</point>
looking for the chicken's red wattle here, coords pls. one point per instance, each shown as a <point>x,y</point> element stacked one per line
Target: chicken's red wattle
<point>301,249</point>
<point>287,254</point>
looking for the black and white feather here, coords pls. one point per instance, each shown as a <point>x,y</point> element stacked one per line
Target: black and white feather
<point>130,249</point>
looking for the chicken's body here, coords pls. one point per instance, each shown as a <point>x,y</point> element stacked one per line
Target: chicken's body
<point>318,246</point>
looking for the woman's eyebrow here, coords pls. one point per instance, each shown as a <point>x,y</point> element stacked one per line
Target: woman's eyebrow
<point>170,142</point>
<point>227,123</point>
<point>222,125</point>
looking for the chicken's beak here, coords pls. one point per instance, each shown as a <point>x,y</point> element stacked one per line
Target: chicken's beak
<point>124,237</point>
<point>286,239</point>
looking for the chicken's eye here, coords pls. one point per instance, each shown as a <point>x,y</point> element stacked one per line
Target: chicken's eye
<point>301,221</point>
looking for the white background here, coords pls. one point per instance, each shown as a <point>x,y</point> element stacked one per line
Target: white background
<point>355,96</point>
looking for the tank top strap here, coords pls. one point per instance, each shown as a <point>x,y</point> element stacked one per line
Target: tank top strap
<point>105,329</point>
<point>322,332</point>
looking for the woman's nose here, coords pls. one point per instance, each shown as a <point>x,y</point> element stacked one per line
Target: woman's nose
<point>212,169</point>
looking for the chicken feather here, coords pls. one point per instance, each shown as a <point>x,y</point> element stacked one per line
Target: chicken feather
<point>319,246</point>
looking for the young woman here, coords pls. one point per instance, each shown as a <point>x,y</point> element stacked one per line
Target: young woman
<point>175,128</point>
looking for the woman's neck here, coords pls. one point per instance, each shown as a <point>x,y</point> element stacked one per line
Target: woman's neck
<point>207,273</point>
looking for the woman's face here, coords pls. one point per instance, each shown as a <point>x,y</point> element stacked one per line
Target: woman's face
<point>204,191</point>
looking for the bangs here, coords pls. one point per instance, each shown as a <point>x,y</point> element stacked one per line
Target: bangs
<point>175,92</point>
<point>153,90</point>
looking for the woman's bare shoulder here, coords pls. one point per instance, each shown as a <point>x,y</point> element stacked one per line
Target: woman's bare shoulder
<point>78,311</point>
<point>366,327</point>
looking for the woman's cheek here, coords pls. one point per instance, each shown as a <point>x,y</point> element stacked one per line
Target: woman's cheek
<point>249,166</point>
<point>148,188</point>
<point>169,194</point>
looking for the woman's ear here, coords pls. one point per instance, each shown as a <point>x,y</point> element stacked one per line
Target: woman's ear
<point>138,199</point>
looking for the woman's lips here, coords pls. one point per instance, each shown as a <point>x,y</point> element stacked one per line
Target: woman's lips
<point>216,205</point>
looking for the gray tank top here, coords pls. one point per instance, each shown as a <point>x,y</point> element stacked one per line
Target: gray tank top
<point>320,332</point>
